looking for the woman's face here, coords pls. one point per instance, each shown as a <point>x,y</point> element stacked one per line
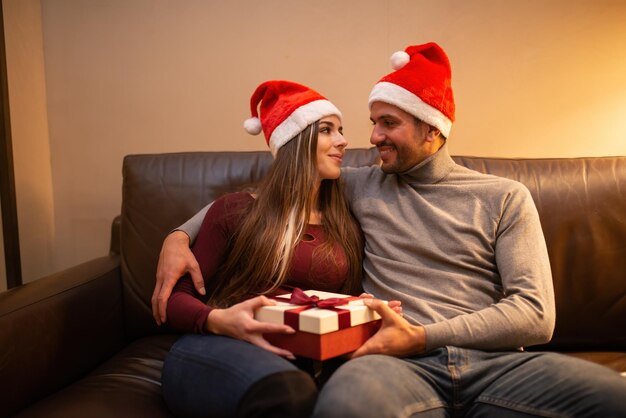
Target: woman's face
<point>331,146</point>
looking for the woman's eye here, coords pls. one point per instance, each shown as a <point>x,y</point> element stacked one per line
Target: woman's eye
<point>325,130</point>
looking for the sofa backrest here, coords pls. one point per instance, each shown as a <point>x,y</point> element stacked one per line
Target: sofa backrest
<point>581,203</point>
<point>160,192</point>
<point>582,207</point>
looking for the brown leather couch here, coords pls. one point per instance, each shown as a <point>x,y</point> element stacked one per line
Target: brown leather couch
<point>83,343</point>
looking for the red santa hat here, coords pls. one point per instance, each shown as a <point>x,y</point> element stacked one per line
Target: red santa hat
<point>284,110</point>
<point>421,85</point>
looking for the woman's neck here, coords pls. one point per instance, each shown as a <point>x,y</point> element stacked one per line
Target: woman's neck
<point>315,216</point>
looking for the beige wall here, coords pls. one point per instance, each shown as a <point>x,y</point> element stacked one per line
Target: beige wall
<point>531,78</point>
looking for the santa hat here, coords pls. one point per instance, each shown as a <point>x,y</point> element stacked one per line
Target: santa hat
<point>285,110</point>
<point>421,85</point>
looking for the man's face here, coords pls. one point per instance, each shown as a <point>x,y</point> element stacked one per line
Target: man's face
<point>400,139</point>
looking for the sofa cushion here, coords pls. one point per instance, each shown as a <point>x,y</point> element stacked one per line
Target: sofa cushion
<point>128,385</point>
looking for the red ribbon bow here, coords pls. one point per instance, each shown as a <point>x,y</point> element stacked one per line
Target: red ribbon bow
<point>298,297</point>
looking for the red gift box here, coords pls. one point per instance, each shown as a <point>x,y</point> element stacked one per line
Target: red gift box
<point>327,324</point>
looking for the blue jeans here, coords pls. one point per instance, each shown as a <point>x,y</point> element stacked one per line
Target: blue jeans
<point>215,376</point>
<point>454,382</point>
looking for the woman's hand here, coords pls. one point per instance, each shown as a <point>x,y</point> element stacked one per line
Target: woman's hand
<point>395,305</point>
<point>238,322</point>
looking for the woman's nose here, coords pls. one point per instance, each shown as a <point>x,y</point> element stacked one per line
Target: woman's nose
<point>341,142</point>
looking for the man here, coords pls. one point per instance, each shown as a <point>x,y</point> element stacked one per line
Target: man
<point>465,254</point>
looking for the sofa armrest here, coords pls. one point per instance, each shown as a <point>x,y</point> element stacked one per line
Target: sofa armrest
<point>57,329</point>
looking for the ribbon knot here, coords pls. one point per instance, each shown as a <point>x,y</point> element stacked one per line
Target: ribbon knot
<point>298,297</point>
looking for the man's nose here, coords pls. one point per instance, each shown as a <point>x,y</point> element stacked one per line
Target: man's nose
<point>377,136</point>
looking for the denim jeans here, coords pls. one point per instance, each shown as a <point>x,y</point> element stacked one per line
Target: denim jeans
<point>210,375</point>
<point>454,382</point>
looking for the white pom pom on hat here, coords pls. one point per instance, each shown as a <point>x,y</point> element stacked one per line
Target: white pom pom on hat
<point>252,126</point>
<point>399,59</point>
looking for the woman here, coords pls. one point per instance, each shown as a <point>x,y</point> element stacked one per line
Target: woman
<point>296,232</point>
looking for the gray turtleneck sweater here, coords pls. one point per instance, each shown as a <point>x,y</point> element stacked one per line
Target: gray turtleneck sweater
<point>463,251</point>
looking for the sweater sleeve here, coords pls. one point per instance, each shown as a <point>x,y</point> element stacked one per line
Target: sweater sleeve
<point>526,314</point>
<point>192,226</point>
<point>186,309</point>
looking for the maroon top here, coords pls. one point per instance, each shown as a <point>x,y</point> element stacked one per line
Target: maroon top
<point>186,308</point>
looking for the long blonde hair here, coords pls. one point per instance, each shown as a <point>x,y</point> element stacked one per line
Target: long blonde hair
<point>263,246</point>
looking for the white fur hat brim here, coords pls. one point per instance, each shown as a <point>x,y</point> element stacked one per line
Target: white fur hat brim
<point>398,96</point>
<point>299,120</point>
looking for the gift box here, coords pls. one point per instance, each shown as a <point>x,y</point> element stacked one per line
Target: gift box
<point>327,324</point>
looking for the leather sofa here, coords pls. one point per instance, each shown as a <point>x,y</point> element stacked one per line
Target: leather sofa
<point>82,342</point>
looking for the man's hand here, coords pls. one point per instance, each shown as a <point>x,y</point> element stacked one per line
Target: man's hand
<point>395,305</point>
<point>175,260</point>
<point>238,322</point>
<point>396,337</point>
